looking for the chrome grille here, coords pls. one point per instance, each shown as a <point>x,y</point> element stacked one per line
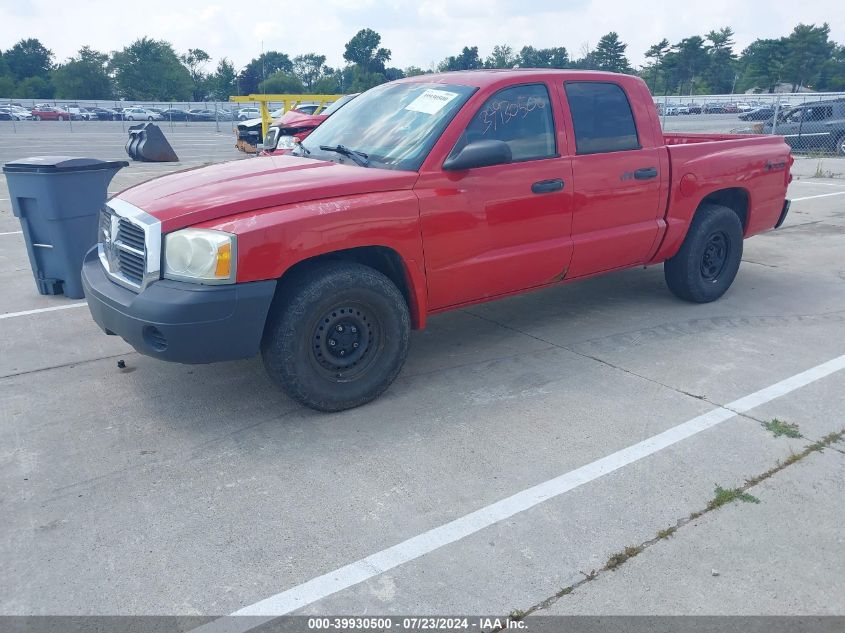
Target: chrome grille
<point>129,244</point>
<point>130,234</point>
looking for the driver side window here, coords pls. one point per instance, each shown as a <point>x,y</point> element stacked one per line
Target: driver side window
<point>520,116</point>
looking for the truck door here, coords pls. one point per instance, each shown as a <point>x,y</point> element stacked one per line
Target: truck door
<point>615,218</point>
<point>492,230</point>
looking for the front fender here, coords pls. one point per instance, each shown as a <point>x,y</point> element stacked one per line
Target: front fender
<point>271,241</point>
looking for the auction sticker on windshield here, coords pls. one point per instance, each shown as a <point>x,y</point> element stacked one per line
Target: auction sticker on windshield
<point>431,101</point>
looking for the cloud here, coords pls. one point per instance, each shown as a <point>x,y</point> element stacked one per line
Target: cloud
<point>418,33</point>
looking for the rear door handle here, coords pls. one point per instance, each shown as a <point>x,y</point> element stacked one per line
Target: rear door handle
<point>547,186</point>
<point>647,173</point>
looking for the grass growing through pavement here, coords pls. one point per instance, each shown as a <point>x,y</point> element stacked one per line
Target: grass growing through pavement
<point>779,427</point>
<point>721,498</point>
<point>620,557</point>
<point>725,496</point>
<point>669,531</point>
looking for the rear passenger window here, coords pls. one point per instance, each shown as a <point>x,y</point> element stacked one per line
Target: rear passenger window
<point>601,116</point>
<point>521,117</point>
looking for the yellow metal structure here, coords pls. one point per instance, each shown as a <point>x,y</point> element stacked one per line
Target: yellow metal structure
<point>288,103</point>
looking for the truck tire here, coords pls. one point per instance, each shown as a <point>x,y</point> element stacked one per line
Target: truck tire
<point>337,337</point>
<point>706,265</point>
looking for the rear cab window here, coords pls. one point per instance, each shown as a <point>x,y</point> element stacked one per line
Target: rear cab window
<point>602,118</point>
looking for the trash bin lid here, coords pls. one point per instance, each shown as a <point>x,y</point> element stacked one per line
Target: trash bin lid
<point>53,164</point>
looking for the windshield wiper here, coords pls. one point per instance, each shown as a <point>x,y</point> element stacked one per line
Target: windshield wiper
<point>359,157</point>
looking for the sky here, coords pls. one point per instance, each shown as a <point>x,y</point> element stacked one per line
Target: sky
<point>419,33</point>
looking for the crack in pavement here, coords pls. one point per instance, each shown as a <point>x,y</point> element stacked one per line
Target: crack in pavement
<point>743,320</point>
<point>601,361</point>
<point>619,559</point>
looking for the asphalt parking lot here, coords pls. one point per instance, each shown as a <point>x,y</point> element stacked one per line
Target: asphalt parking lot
<point>526,444</point>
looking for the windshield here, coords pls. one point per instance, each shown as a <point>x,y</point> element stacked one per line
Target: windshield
<point>337,105</point>
<point>395,125</point>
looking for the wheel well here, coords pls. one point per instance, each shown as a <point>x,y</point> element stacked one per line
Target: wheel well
<point>735,199</point>
<point>381,258</point>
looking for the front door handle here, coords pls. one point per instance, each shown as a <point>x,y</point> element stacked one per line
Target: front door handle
<point>647,173</point>
<point>547,186</point>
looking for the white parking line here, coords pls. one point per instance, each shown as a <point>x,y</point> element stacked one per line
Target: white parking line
<point>818,184</point>
<point>821,195</point>
<point>12,233</point>
<point>67,306</point>
<point>417,546</point>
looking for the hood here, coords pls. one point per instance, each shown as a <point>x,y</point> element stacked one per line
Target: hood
<point>296,119</point>
<point>198,195</point>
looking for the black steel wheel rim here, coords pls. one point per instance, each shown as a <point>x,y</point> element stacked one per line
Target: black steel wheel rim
<point>345,341</point>
<point>716,252</point>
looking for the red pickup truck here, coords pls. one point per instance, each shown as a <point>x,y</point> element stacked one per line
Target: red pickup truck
<point>420,196</point>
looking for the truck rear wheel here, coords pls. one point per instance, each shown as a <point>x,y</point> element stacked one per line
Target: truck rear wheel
<point>706,265</point>
<point>337,337</point>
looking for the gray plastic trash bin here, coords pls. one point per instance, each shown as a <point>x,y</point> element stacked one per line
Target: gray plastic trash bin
<point>58,200</point>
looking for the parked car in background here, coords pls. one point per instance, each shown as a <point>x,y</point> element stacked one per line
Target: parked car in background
<point>106,114</point>
<point>210,115</point>
<point>6,115</point>
<point>249,113</point>
<point>294,126</point>
<point>50,113</point>
<point>199,114</point>
<point>78,113</point>
<point>813,126</point>
<point>16,113</point>
<point>694,108</point>
<point>307,107</point>
<point>175,114</point>
<point>759,114</point>
<point>141,114</point>
<point>745,107</point>
<point>714,108</point>
<point>730,108</point>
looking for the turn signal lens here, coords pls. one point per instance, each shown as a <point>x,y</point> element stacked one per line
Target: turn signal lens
<point>224,261</point>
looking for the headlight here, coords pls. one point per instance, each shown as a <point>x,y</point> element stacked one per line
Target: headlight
<point>286,142</point>
<point>200,255</point>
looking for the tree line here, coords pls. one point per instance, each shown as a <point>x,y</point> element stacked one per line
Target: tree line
<point>152,70</point>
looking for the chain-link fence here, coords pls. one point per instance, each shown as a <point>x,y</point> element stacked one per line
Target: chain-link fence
<point>811,123</point>
<point>216,115</point>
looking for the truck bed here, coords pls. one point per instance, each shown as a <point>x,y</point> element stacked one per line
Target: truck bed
<point>734,164</point>
<point>674,138</point>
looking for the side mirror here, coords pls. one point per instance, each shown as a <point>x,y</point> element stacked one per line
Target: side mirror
<point>479,154</point>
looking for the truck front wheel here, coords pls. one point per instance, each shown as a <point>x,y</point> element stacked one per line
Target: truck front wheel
<point>706,265</point>
<point>337,336</point>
